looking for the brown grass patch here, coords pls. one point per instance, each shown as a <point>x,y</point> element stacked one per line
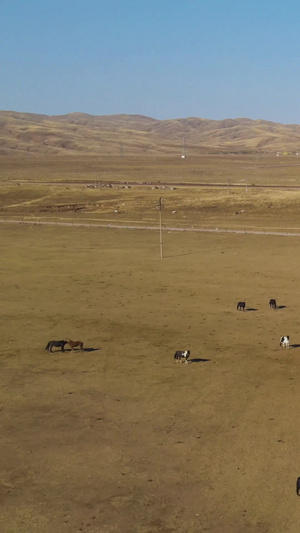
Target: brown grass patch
<point>120,438</point>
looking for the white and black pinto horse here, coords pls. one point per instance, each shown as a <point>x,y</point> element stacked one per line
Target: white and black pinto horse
<point>273,304</point>
<point>241,306</point>
<point>182,355</point>
<point>284,342</point>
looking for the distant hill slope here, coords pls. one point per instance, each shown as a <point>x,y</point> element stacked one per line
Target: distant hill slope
<point>82,134</point>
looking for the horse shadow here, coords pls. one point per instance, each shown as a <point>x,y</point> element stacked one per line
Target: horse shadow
<point>198,360</point>
<point>281,306</point>
<point>294,345</point>
<point>250,309</point>
<point>84,350</point>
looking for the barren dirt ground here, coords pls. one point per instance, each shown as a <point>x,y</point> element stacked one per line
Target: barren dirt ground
<point>120,438</point>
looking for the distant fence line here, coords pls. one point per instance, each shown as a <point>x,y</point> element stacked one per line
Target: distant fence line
<point>150,228</point>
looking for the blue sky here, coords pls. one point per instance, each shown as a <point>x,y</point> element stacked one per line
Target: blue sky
<point>212,59</point>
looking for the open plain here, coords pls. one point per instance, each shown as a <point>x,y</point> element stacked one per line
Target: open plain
<point>120,438</point>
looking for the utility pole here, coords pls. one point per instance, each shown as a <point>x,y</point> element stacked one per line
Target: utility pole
<point>160,227</point>
<point>183,149</point>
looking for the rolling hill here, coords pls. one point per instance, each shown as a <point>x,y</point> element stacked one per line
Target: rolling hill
<point>83,134</point>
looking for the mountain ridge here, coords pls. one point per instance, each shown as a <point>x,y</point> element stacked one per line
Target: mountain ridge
<point>84,134</point>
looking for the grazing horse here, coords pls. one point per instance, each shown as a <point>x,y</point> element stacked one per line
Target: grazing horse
<point>273,304</point>
<point>181,355</point>
<point>241,306</point>
<point>56,344</point>
<point>284,342</point>
<point>74,344</point>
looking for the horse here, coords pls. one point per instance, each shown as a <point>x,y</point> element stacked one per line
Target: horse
<point>284,342</point>
<point>182,355</point>
<point>56,344</point>
<point>241,306</point>
<point>74,344</point>
<point>298,486</point>
<point>273,304</point>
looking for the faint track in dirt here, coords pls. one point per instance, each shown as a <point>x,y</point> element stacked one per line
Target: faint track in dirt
<point>27,202</point>
<point>150,228</point>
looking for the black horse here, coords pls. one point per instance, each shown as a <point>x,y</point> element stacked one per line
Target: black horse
<point>56,344</point>
<point>273,304</point>
<point>241,306</point>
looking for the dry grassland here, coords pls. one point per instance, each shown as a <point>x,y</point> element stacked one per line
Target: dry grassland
<point>228,169</point>
<point>185,207</point>
<point>225,191</point>
<point>120,437</point>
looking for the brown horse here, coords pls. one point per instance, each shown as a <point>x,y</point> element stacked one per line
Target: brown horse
<point>74,344</point>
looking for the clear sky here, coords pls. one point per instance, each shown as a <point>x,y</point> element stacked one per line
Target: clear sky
<point>164,59</point>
